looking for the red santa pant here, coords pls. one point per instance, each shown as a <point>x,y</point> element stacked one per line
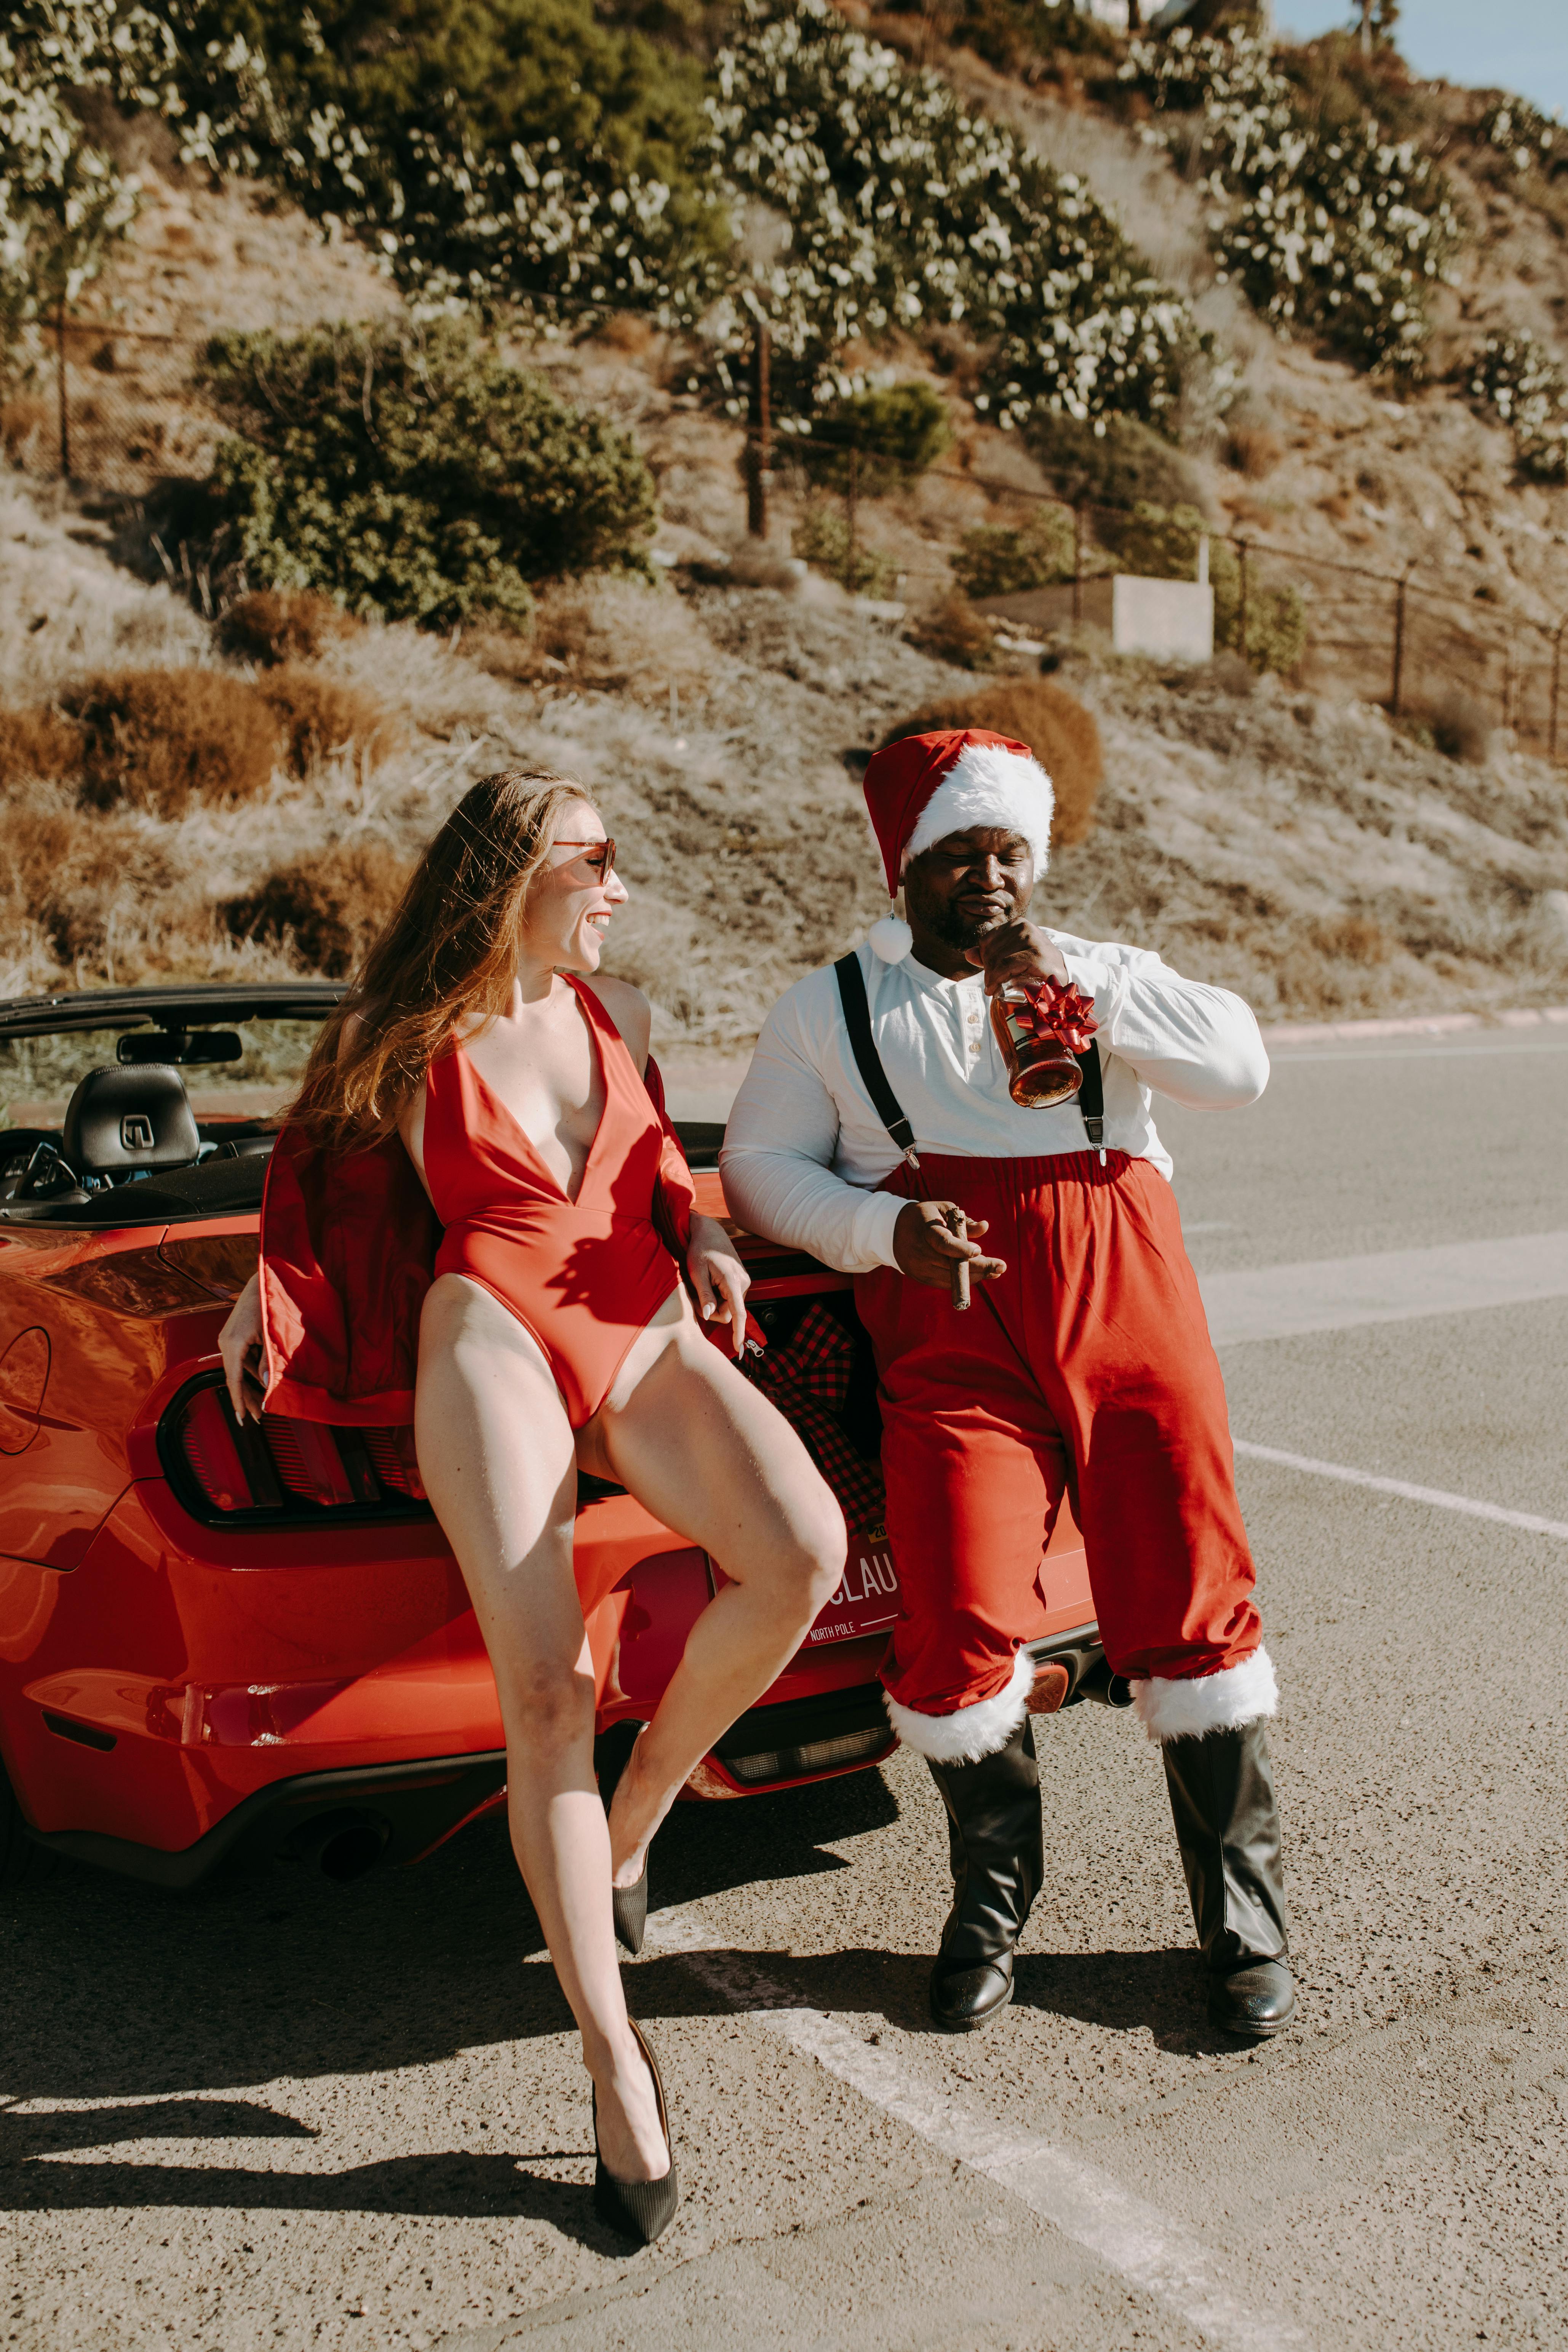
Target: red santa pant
<point>1086,1370</point>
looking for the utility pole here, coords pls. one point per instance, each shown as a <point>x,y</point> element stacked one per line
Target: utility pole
<point>60,388</point>
<point>759,451</point>
<point>1399,641</point>
<point>1366,27</point>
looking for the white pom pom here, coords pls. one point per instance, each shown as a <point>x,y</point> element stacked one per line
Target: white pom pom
<point>891,939</point>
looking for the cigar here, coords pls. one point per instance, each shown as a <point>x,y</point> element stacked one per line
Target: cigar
<point>957,1224</point>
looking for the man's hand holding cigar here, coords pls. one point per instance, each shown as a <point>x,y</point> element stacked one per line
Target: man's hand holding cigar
<point>934,1239</point>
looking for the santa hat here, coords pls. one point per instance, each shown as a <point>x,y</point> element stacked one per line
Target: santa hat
<point>923,789</point>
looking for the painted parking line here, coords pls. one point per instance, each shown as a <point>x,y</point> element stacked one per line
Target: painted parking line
<point>1165,2258</point>
<point>1337,1293</point>
<point>1467,1504</point>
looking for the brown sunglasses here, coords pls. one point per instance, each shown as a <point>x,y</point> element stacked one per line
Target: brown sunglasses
<point>604,863</point>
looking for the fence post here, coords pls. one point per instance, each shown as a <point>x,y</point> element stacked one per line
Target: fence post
<point>61,389</point>
<point>1076,566</point>
<point>1556,686</point>
<point>1399,640</point>
<point>1241,598</point>
<point>852,515</point>
<point>759,454</point>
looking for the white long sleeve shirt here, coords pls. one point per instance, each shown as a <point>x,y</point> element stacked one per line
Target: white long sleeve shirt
<point>805,1147</point>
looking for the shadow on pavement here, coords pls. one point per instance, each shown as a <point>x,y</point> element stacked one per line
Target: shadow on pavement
<point>116,1991</point>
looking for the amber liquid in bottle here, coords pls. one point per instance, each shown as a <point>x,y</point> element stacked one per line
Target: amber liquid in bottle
<point>1041,1070</point>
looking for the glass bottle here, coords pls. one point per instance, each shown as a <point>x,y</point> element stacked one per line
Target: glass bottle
<point>1034,1025</point>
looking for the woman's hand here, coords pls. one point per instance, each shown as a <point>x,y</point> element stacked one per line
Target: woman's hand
<point>239,1345</point>
<point>718,1279</point>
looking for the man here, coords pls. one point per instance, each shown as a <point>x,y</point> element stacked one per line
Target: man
<point>1083,1367</point>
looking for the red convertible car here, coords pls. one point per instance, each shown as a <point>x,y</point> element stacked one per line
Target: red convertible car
<point>219,1647</point>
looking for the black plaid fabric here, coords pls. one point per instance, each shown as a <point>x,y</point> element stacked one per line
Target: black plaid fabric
<point>808,1380</point>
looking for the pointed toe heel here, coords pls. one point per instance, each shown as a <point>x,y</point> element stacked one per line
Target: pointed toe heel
<point>628,1905</point>
<point>642,2210</point>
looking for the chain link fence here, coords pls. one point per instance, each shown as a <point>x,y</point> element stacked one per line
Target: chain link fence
<point>116,412</point>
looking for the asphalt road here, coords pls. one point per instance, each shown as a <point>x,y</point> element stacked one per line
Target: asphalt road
<point>289,2115</point>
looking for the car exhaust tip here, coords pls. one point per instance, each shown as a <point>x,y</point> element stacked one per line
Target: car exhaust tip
<point>1104,1687</point>
<point>343,1845</point>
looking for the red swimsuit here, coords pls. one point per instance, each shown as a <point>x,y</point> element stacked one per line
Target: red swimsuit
<point>584,1277</point>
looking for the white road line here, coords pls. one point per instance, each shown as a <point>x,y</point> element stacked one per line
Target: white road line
<point>1165,2258</point>
<point>1337,1293</point>
<point>1471,1508</point>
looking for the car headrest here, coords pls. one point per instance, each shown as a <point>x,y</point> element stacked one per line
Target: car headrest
<point>123,1119</point>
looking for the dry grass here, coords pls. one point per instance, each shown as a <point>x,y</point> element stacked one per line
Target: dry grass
<point>37,744</point>
<point>322,718</point>
<point>618,635</point>
<point>159,739</point>
<point>271,627</point>
<point>1060,732</point>
<point>1252,450</point>
<point>953,631</point>
<point>325,909</point>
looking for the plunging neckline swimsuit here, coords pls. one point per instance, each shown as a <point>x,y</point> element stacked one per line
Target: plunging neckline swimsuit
<point>584,1276</point>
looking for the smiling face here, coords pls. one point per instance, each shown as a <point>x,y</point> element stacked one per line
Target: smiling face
<point>966,885</point>
<point>574,894</point>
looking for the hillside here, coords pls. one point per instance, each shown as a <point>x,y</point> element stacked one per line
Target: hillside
<point>1284,836</point>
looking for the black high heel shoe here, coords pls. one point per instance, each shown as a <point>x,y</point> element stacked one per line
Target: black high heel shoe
<point>639,2209</point>
<point>628,1905</point>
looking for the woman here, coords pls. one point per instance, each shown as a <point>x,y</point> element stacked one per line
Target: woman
<point>556,1335</point>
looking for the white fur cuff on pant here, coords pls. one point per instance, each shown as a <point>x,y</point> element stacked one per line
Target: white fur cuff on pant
<point>1228,1701</point>
<point>969,1732</point>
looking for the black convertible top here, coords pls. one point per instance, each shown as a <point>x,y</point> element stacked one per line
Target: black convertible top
<point>195,1006</point>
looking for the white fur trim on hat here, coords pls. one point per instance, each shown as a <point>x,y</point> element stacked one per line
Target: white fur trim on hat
<point>1228,1701</point>
<point>987,785</point>
<point>969,1732</point>
<point>891,939</point>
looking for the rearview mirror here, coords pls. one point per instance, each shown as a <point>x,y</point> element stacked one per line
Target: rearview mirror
<point>185,1045</point>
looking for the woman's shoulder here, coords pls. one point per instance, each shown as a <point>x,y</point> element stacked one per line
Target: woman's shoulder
<point>628,1008</point>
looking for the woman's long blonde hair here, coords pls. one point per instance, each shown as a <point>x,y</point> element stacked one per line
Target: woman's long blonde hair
<point>448,951</point>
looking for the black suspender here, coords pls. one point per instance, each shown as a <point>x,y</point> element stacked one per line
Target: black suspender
<point>868,1061</point>
<point>890,1111</point>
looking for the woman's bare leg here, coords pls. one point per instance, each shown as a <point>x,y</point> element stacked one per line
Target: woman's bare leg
<point>497,1457</point>
<point>694,1441</point>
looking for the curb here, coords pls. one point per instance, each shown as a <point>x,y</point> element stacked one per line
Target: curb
<point>1431,1025</point>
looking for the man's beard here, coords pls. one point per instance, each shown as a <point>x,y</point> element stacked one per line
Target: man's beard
<point>959,930</point>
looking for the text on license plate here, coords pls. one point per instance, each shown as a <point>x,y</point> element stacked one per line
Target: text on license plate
<point>867,1599</point>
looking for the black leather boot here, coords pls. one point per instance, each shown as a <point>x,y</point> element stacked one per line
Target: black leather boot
<point>997,1846</point>
<point>1227,1826</point>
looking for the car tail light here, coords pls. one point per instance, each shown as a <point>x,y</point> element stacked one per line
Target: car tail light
<point>392,1456</point>
<point>226,1470</point>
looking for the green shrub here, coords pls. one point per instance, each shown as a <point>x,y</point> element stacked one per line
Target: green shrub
<point>416,477</point>
<point>1016,34</point>
<point>1337,223</point>
<point>1005,559</point>
<point>1113,462</point>
<point>822,537</point>
<point>1160,543</point>
<point>876,440</point>
<point>500,149</point>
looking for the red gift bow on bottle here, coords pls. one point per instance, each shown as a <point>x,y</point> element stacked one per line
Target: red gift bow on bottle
<point>1055,1014</point>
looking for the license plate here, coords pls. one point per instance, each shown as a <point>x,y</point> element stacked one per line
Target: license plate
<point>866,1600</point>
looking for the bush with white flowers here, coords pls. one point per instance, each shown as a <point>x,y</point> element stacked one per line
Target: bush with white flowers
<point>1523,386</point>
<point>1336,228</point>
<point>1531,141</point>
<point>907,211</point>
